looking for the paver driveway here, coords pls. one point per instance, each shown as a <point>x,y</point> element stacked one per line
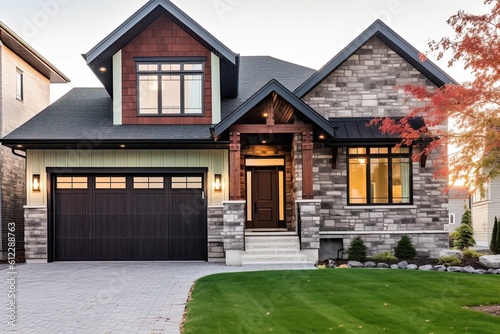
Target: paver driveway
<point>105,297</point>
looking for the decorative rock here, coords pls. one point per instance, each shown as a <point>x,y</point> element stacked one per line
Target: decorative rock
<point>497,271</point>
<point>355,264</point>
<point>455,269</point>
<point>491,271</point>
<point>451,252</point>
<point>412,267</point>
<point>480,271</point>
<point>383,265</point>
<point>490,261</point>
<point>403,264</point>
<point>394,266</point>
<point>439,267</point>
<point>370,264</point>
<point>426,267</point>
<point>443,268</point>
<point>331,264</point>
<point>468,270</point>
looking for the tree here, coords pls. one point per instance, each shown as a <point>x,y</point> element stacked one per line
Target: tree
<point>404,248</point>
<point>357,250</point>
<point>464,234</point>
<point>473,107</point>
<point>495,238</point>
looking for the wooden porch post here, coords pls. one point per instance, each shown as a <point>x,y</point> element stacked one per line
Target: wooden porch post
<point>234,166</point>
<point>307,165</point>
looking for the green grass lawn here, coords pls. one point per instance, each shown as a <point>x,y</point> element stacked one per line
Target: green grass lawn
<point>343,301</point>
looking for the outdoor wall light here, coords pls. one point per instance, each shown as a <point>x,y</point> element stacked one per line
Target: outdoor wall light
<point>218,182</point>
<point>36,182</point>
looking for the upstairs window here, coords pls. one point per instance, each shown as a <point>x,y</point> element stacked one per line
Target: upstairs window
<point>379,175</point>
<point>19,85</point>
<point>170,88</point>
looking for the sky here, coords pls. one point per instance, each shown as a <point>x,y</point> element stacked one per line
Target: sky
<point>305,32</point>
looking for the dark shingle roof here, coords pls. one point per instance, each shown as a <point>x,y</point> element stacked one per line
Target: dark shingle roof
<point>256,71</point>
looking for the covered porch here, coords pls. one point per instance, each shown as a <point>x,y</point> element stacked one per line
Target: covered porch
<point>271,198</point>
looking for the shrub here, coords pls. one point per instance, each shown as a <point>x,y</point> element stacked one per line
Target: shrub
<point>384,256</point>
<point>471,253</point>
<point>495,237</point>
<point>405,249</point>
<point>465,238</point>
<point>357,250</point>
<point>466,217</point>
<point>449,261</point>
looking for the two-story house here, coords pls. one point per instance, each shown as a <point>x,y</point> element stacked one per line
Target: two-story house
<point>193,152</point>
<point>25,78</point>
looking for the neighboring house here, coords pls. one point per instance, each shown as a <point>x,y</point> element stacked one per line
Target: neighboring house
<point>25,78</point>
<point>484,210</point>
<point>191,152</point>
<point>459,199</point>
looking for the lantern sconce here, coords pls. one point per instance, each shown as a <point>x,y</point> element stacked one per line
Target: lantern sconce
<point>217,182</point>
<point>36,182</point>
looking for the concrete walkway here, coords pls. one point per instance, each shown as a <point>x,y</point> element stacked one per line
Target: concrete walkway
<point>105,297</point>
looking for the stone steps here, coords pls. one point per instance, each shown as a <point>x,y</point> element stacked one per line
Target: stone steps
<point>283,249</point>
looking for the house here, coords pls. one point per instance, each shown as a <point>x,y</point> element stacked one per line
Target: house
<point>25,78</point>
<point>485,207</point>
<point>459,200</point>
<point>193,152</point>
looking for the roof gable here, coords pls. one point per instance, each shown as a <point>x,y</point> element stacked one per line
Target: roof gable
<point>380,30</point>
<point>30,55</point>
<point>259,96</point>
<point>101,55</point>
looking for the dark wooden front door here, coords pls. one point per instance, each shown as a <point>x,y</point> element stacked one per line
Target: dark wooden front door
<point>265,198</point>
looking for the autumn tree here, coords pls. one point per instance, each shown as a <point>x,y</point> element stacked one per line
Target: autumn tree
<point>472,107</point>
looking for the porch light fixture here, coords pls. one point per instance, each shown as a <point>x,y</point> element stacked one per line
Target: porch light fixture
<point>321,137</point>
<point>264,115</point>
<point>102,69</point>
<point>36,182</point>
<point>217,182</point>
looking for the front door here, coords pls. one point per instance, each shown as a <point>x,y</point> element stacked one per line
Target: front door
<point>265,197</point>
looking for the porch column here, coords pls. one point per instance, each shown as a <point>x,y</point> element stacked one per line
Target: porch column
<point>307,165</point>
<point>233,231</point>
<point>309,227</point>
<point>234,166</point>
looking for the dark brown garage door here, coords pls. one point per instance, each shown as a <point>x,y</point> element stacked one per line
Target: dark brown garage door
<point>129,217</point>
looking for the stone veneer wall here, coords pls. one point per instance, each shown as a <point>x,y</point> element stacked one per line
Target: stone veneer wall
<point>233,231</point>
<point>215,219</point>
<point>35,233</point>
<point>364,86</point>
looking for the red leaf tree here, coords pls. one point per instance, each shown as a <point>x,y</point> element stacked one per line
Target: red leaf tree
<point>472,107</point>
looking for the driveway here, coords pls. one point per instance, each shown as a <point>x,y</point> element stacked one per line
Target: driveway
<point>105,297</point>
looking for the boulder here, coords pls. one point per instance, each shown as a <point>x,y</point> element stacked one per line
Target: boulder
<point>490,261</point>
<point>355,264</point>
<point>454,269</point>
<point>480,271</point>
<point>383,265</point>
<point>496,271</point>
<point>403,264</point>
<point>412,267</point>
<point>394,266</point>
<point>468,270</point>
<point>491,271</point>
<point>451,252</point>
<point>370,264</point>
<point>426,267</point>
<point>439,267</point>
<point>443,268</point>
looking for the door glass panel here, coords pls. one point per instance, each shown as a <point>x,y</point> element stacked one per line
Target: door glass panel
<point>182,182</point>
<point>281,195</point>
<point>249,196</point>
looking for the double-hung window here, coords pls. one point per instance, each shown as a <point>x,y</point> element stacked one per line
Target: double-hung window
<point>170,88</point>
<point>19,85</point>
<point>379,175</point>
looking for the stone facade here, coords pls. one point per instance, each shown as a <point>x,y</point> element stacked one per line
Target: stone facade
<point>364,87</point>
<point>310,223</point>
<point>234,225</point>
<point>35,233</point>
<point>215,219</point>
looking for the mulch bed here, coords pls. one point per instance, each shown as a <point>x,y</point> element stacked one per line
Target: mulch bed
<point>488,309</point>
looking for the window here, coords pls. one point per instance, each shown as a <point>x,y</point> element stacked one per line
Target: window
<point>110,182</point>
<point>19,85</point>
<point>170,88</point>
<point>72,182</point>
<point>183,182</point>
<point>148,182</point>
<point>451,219</point>
<point>379,175</point>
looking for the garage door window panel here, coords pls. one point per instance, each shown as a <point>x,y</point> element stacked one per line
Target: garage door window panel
<point>72,182</point>
<point>145,182</point>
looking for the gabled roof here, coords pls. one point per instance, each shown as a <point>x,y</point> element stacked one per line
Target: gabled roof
<point>101,55</point>
<point>259,96</point>
<point>356,131</point>
<point>30,55</point>
<point>404,49</point>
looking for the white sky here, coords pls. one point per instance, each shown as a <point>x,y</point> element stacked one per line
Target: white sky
<point>306,32</point>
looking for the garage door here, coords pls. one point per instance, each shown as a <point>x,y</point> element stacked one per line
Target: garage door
<point>129,217</point>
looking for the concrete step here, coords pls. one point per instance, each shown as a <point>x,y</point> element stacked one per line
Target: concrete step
<point>294,250</point>
<point>264,245</point>
<point>272,239</point>
<point>247,258</point>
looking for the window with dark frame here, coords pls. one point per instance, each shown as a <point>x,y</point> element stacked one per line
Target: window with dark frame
<point>170,88</point>
<point>379,175</point>
<point>19,85</point>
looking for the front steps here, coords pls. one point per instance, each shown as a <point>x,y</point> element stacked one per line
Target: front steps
<point>272,249</point>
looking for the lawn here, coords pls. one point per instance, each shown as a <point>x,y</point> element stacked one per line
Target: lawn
<point>343,301</point>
